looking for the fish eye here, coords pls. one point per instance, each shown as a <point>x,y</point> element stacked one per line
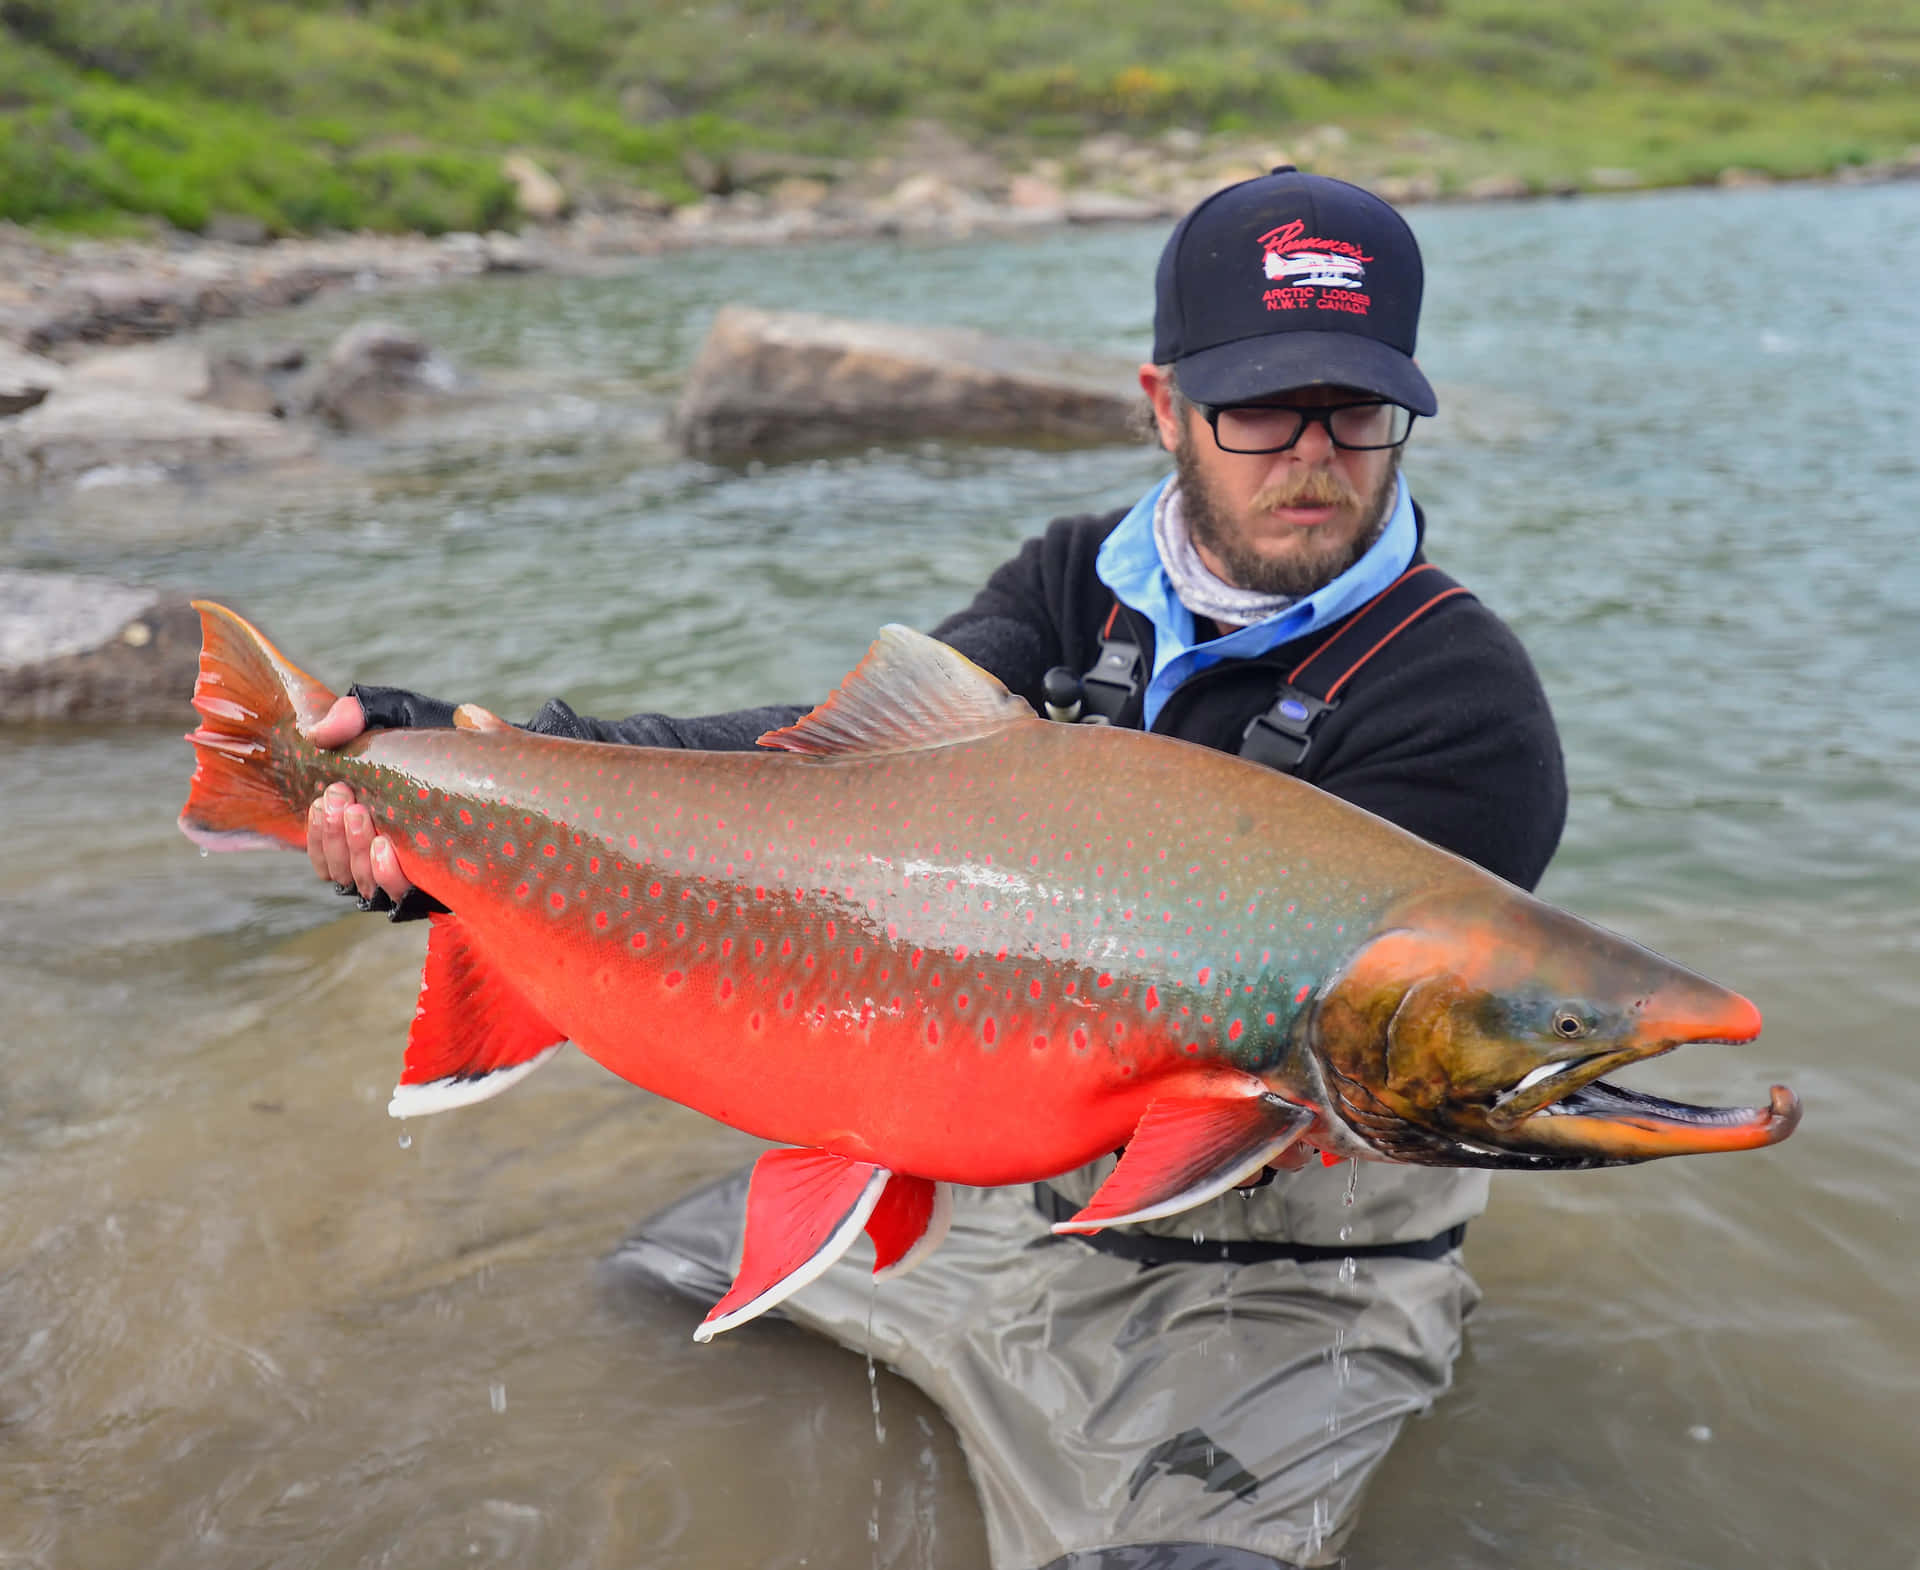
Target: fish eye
<point>1567,1025</point>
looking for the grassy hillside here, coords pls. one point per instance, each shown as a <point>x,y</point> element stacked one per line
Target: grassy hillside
<point>394,113</point>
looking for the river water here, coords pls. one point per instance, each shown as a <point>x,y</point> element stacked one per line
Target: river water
<point>246,1320</point>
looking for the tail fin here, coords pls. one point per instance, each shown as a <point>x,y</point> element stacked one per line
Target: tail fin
<point>253,702</point>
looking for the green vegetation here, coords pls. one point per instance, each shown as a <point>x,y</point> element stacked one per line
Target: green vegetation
<point>308,114</point>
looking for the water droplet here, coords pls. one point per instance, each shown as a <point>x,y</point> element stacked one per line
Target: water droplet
<point>1317,1532</point>
<point>1199,1237</point>
<point>1353,1181</point>
<point>873,1379</point>
<point>406,1140</point>
<point>1700,1432</point>
<point>1346,1233</point>
<point>1347,1271</point>
<point>497,1396</point>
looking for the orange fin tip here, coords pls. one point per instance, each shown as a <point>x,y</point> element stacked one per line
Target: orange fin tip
<point>470,716</point>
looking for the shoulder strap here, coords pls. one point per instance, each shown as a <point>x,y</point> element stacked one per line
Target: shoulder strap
<point>1281,735</point>
<point>1114,680</point>
<point>1382,619</point>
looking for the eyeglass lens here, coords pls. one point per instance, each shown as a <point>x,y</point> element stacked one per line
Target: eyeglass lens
<point>1269,428</point>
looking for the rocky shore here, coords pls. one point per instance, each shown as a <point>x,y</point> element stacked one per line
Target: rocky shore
<point>61,301</point>
<point>89,386</point>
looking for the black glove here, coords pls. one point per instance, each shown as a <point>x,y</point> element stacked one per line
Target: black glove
<point>394,708</point>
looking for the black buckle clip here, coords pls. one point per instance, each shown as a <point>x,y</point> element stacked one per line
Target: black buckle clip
<point>1112,682</point>
<point>1280,737</point>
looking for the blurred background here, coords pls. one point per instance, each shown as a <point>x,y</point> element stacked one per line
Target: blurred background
<point>385,324</point>
<point>396,113</point>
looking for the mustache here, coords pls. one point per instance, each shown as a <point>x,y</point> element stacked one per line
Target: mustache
<point>1314,488</point>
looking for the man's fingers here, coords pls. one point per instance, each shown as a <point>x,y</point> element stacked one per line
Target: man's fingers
<point>386,870</point>
<point>316,841</point>
<point>357,823</point>
<point>339,725</point>
<point>334,801</point>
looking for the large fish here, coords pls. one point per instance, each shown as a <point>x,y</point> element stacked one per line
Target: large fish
<point>928,938</point>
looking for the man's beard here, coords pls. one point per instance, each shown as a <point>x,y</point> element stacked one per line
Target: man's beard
<point>1320,561</point>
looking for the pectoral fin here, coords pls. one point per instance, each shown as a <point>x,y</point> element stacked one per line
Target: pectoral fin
<point>804,1209</point>
<point>1185,1151</point>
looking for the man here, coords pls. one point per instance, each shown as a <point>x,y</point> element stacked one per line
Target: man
<point>1213,1390</point>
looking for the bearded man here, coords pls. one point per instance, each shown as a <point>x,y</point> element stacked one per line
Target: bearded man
<point>1209,1392</point>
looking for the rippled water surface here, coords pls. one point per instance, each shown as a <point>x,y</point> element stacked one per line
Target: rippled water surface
<point>246,1320</point>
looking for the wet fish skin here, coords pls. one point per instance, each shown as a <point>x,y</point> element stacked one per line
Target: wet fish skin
<point>933,938</point>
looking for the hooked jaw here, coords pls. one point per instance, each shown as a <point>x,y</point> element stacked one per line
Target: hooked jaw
<point>1566,1109</point>
<point>1477,1034</point>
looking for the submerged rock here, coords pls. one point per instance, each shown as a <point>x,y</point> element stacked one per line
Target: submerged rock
<point>97,425</point>
<point>374,374</point>
<point>76,649</point>
<point>772,383</point>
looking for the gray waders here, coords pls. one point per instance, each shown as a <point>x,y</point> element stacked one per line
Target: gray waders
<point>1122,1416</point>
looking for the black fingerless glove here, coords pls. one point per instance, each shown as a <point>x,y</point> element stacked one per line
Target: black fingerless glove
<point>416,904</point>
<point>394,708</point>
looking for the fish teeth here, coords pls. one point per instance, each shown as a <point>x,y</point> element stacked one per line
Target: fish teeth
<point>1545,1071</point>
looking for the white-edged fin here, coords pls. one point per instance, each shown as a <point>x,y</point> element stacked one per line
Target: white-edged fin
<point>931,1231</point>
<point>804,1209</point>
<point>911,692</point>
<point>1185,1151</point>
<point>443,1095</point>
<point>474,1033</point>
<point>228,839</point>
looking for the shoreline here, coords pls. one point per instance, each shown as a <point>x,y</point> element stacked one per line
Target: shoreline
<point>63,300</point>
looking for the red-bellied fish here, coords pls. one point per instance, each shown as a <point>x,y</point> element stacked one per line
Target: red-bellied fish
<point>928,938</point>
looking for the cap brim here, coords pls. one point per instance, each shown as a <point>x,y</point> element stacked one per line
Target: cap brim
<point>1279,362</point>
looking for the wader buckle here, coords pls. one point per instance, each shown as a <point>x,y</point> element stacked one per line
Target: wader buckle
<point>1111,684</point>
<point>1280,737</point>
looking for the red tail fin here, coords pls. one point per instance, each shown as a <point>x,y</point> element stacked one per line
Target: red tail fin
<point>252,702</point>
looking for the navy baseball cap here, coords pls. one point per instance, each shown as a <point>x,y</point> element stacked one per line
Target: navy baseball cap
<point>1291,280</point>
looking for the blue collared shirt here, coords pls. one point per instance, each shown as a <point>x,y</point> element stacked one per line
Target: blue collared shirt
<point>1129,564</point>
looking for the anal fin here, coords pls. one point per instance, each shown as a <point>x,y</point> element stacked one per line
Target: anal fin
<point>1185,1151</point>
<point>804,1209</point>
<point>473,1034</point>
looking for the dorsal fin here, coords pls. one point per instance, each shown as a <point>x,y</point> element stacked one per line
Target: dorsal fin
<point>910,692</point>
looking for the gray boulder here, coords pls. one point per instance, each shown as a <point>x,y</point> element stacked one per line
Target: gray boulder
<point>377,373</point>
<point>772,383</point>
<point>255,381</point>
<point>91,650</point>
<point>98,425</point>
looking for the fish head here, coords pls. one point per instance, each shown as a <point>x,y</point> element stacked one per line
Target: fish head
<point>1475,1028</point>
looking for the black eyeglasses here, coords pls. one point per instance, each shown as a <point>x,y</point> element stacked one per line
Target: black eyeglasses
<point>1274,427</point>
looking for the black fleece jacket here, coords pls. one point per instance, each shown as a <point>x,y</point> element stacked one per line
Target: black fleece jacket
<point>1446,731</point>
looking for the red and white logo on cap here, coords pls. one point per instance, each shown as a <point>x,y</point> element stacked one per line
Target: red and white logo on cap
<point>1306,267</point>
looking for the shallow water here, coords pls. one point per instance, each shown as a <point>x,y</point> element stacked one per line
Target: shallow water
<point>247,1320</point>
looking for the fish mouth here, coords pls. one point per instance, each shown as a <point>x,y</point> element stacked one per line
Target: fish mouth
<point>1587,1119</point>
